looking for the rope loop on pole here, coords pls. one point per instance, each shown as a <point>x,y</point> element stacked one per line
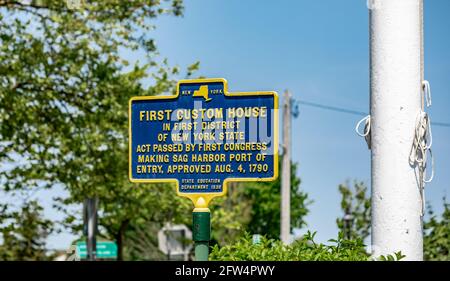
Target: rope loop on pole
<point>423,140</point>
<point>421,148</point>
<point>366,133</point>
<point>427,92</point>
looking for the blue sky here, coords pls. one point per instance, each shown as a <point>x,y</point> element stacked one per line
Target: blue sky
<point>319,50</point>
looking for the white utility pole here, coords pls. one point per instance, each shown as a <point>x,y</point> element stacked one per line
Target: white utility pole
<point>396,75</point>
<point>286,172</point>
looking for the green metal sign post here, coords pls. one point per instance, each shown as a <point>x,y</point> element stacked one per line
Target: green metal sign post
<point>201,222</point>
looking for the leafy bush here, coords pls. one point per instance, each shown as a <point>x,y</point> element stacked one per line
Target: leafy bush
<point>436,240</point>
<point>304,249</point>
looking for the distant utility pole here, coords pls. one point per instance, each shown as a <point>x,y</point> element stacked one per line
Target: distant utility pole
<point>396,75</point>
<point>286,172</point>
<point>348,224</point>
<point>90,220</point>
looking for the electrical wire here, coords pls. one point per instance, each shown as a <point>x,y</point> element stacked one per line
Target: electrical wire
<point>353,112</point>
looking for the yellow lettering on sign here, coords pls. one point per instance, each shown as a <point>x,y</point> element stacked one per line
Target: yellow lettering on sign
<point>153,158</point>
<point>187,114</point>
<point>180,158</point>
<point>241,157</point>
<point>155,115</point>
<point>190,169</point>
<point>208,157</point>
<point>223,168</point>
<point>180,137</point>
<point>143,148</point>
<point>248,112</point>
<point>147,169</point>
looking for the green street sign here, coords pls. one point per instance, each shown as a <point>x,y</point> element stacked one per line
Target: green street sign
<point>105,250</point>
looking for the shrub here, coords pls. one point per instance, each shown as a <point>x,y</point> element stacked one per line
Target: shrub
<point>304,249</point>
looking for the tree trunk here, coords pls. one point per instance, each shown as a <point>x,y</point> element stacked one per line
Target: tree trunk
<point>120,239</point>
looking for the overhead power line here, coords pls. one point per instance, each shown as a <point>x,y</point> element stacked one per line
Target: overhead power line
<point>440,124</point>
<point>353,112</point>
<point>332,108</point>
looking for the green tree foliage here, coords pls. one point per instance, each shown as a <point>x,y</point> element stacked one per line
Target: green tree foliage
<point>436,240</point>
<point>240,211</point>
<point>254,207</point>
<point>64,91</point>
<point>230,215</point>
<point>266,200</point>
<point>304,249</point>
<point>142,242</point>
<point>24,233</point>
<point>355,203</point>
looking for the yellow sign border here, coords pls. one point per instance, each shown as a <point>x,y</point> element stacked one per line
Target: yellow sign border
<point>201,200</point>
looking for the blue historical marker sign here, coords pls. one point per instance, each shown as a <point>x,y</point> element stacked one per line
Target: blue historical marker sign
<point>203,137</point>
